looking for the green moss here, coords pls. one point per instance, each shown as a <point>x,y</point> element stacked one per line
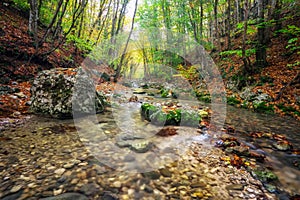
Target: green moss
<point>263,107</point>
<point>147,110</point>
<point>173,117</point>
<point>232,101</point>
<point>204,97</point>
<point>265,175</point>
<point>190,118</point>
<point>245,104</point>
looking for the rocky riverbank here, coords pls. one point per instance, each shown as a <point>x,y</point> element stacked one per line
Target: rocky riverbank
<point>46,158</point>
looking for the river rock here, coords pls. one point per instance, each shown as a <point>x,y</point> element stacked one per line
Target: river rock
<point>141,147</point>
<point>58,92</point>
<point>67,196</point>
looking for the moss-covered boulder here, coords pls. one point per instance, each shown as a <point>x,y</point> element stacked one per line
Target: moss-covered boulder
<point>170,115</point>
<point>59,92</point>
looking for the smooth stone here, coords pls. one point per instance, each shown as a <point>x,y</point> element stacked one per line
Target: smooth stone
<point>117,184</point>
<point>57,192</point>
<point>235,187</point>
<point>60,171</point>
<point>15,188</point>
<point>148,189</point>
<point>69,165</point>
<point>67,196</point>
<point>141,147</point>
<point>165,172</point>
<point>152,175</point>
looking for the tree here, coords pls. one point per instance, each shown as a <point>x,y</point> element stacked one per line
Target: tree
<point>261,53</point>
<point>246,61</point>
<point>33,19</point>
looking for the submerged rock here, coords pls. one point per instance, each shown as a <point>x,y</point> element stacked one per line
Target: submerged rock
<point>59,92</point>
<point>67,196</point>
<point>141,147</point>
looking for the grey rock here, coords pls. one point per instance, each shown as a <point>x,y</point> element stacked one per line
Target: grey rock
<point>67,196</point>
<point>247,94</point>
<point>59,94</point>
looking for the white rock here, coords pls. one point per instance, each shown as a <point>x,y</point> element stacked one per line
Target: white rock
<point>60,171</point>
<point>57,192</point>
<point>16,188</point>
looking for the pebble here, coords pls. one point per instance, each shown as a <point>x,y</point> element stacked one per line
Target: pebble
<point>15,188</point>
<point>250,190</point>
<point>130,192</point>
<point>235,187</point>
<point>117,184</point>
<point>59,171</point>
<point>57,192</point>
<point>68,165</point>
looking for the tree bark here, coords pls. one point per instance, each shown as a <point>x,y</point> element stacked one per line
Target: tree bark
<point>261,54</point>
<point>119,67</point>
<point>33,20</point>
<point>247,67</point>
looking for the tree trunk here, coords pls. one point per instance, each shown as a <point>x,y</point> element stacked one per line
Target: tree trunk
<point>119,67</point>
<point>247,66</point>
<point>216,25</point>
<point>228,25</point>
<point>33,20</point>
<point>261,53</point>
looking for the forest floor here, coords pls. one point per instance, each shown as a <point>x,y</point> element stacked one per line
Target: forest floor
<point>17,48</point>
<point>280,79</point>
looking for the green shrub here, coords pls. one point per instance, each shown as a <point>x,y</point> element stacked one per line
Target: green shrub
<point>23,5</point>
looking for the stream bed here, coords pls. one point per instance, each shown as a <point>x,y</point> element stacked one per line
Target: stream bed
<point>118,155</point>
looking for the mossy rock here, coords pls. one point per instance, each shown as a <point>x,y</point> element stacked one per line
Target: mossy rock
<point>265,175</point>
<point>176,117</point>
<point>165,93</point>
<point>232,101</point>
<point>261,106</point>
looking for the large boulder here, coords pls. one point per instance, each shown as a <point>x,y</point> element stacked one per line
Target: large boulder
<point>60,92</point>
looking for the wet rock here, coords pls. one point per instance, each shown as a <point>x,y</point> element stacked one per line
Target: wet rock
<point>89,189</point>
<point>165,172</point>
<point>129,158</point>
<point>59,92</point>
<point>59,171</point>
<point>109,196</point>
<point>67,196</point>
<point>15,188</point>
<point>271,188</point>
<point>141,147</point>
<point>148,189</point>
<point>282,145</point>
<point>13,196</point>
<point>139,91</point>
<point>235,187</point>
<point>239,150</point>
<point>117,184</point>
<point>152,175</point>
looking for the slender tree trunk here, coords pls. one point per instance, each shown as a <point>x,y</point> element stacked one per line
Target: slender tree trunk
<point>33,20</point>
<point>216,25</point>
<point>237,13</point>
<point>228,25</point>
<point>119,67</point>
<point>201,21</point>
<point>247,69</point>
<point>261,53</point>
